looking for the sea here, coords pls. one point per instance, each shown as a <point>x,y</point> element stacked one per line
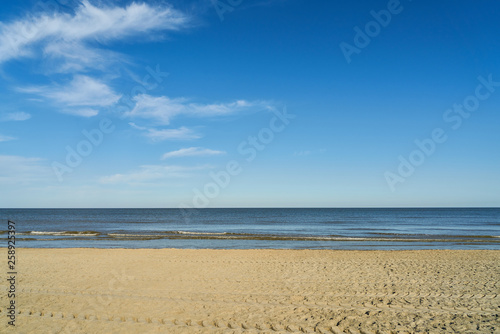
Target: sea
<point>254,228</point>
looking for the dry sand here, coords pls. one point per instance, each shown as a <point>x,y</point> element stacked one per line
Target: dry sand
<point>255,291</point>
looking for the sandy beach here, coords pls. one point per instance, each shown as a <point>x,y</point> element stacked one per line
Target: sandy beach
<point>254,291</point>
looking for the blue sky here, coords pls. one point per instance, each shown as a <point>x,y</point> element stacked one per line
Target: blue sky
<point>249,103</point>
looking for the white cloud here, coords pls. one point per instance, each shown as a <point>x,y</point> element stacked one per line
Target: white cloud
<point>135,126</point>
<point>82,91</point>
<point>89,23</point>
<point>84,112</point>
<point>6,138</point>
<point>190,152</point>
<point>162,109</point>
<point>69,57</point>
<point>182,133</point>
<point>152,173</point>
<point>15,116</point>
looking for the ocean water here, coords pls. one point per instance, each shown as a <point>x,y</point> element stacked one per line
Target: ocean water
<point>348,228</point>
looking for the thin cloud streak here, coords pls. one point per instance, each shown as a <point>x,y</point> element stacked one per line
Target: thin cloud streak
<point>82,91</point>
<point>22,170</point>
<point>182,133</point>
<point>152,173</point>
<point>72,57</point>
<point>6,138</point>
<point>191,152</point>
<point>15,116</point>
<point>162,108</point>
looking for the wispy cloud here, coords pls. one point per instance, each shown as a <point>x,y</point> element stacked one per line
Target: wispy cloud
<point>15,116</point>
<point>75,42</point>
<point>56,33</point>
<point>6,138</point>
<point>191,152</point>
<point>162,108</point>
<point>84,112</point>
<point>182,133</point>
<point>17,169</point>
<point>152,173</point>
<point>72,57</point>
<point>80,97</point>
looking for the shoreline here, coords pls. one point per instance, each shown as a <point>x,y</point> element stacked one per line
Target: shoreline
<point>93,290</point>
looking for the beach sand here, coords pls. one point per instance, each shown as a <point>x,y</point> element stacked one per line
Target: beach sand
<point>254,291</point>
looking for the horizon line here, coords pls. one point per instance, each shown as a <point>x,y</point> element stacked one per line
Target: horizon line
<point>269,207</point>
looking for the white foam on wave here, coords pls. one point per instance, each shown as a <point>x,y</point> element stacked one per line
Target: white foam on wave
<point>132,235</point>
<point>63,233</point>
<point>46,233</point>
<point>201,233</point>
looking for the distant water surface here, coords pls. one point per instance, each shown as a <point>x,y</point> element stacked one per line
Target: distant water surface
<point>415,228</point>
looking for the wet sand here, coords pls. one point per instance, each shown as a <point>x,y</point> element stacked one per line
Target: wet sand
<point>254,291</point>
